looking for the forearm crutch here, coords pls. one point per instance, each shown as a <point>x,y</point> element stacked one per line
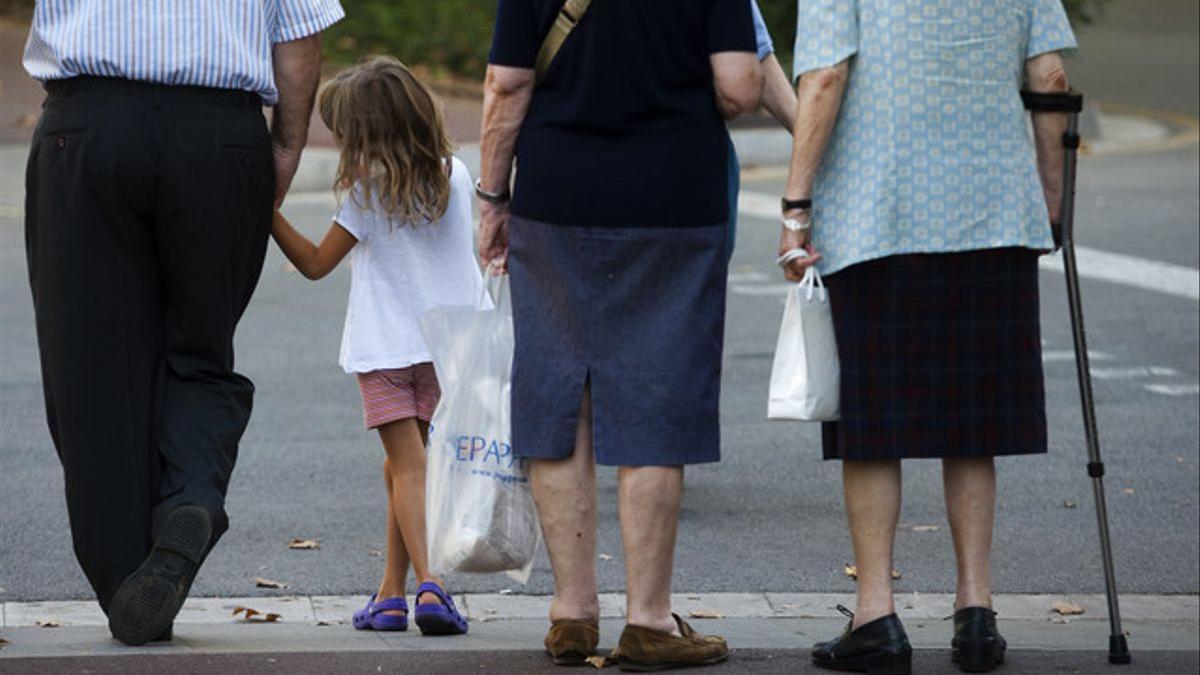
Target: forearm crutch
<point>1071,103</point>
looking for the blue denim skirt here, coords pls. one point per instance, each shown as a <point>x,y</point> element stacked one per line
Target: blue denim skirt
<point>637,314</point>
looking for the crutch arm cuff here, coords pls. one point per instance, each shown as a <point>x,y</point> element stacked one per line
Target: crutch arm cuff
<point>1059,101</point>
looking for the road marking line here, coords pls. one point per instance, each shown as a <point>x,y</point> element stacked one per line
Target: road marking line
<point>1118,268</point>
<point>1133,373</point>
<point>1173,389</point>
<point>1056,355</point>
<point>1127,270</point>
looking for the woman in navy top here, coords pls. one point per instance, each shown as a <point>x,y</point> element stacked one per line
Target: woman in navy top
<point>616,242</point>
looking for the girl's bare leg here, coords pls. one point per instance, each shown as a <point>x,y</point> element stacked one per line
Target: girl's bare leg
<point>395,572</point>
<point>404,441</point>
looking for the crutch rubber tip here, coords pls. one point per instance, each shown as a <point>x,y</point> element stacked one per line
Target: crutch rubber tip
<point>1118,649</point>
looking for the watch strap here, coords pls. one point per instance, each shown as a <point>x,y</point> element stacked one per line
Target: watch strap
<point>492,197</point>
<point>795,204</point>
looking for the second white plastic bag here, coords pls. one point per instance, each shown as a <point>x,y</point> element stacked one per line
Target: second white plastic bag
<point>479,511</point>
<point>806,375</point>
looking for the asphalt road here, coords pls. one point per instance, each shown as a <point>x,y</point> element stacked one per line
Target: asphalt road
<point>769,516</point>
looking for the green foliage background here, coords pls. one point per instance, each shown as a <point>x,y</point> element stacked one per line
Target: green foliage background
<point>452,37</point>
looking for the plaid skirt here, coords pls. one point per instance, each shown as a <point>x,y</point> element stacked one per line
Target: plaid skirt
<point>940,356</point>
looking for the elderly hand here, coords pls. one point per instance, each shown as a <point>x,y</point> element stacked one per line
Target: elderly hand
<point>286,163</point>
<point>492,238</point>
<point>788,240</point>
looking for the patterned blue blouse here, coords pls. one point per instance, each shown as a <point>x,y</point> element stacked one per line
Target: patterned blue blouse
<point>932,151</point>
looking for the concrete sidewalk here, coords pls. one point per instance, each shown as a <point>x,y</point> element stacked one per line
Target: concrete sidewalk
<point>771,622</point>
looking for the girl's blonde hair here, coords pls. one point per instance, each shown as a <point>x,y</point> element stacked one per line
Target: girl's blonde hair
<point>388,126</point>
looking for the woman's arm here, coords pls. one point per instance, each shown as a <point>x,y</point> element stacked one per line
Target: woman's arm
<point>507,92</point>
<point>738,82</point>
<point>1045,74</point>
<point>820,100</point>
<point>311,260</point>
<point>778,98</point>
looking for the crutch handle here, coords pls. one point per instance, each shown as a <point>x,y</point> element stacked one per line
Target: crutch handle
<point>1060,101</point>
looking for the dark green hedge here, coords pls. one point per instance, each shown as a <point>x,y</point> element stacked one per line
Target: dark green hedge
<point>453,36</point>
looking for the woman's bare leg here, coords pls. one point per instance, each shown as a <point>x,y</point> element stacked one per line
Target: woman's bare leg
<point>970,487</point>
<point>565,492</point>
<point>404,441</point>
<point>649,501</point>
<point>872,493</point>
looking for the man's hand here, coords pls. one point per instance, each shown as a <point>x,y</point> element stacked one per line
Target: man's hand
<point>492,237</point>
<point>286,163</point>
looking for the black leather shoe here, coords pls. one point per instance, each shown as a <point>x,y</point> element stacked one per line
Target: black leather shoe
<point>146,603</point>
<point>877,648</point>
<point>977,646</point>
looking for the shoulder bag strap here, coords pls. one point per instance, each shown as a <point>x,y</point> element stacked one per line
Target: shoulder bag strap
<point>568,17</point>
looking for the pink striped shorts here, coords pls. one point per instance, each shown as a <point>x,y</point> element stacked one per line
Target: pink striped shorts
<point>398,393</point>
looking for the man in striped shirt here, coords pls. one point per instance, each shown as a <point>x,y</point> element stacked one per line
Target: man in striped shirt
<point>149,191</point>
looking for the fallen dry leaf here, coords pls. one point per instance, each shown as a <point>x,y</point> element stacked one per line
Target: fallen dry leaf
<point>268,583</point>
<point>597,661</point>
<point>925,528</point>
<point>48,623</point>
<point>1069,504</point>
<point>1066,608</point>
<point>705,614</point>
<point>852,572</point>
<point>251,615</point>
<point>1126,491</point>
<point>375,554</point>
<point>604,556</point>
<point>304,545</point>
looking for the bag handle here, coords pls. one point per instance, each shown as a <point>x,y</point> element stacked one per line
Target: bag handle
<point>568,17</point>
<point>812,278</point>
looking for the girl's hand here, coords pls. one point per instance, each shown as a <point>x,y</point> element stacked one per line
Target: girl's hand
<point>788,240</point>
<point>493,236</point>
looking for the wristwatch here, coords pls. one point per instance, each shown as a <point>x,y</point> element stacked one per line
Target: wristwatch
<point>491,197</point>
<point>786,204</point>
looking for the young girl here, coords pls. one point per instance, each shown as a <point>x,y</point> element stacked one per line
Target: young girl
<point>406,222</point>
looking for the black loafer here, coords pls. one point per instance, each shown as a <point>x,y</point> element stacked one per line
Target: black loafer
<point>146,603</point>
<point>977,646</point>
<point>877,648</point>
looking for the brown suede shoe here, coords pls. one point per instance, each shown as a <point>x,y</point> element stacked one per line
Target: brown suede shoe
<point>645,649</point>
<point>570,641</point>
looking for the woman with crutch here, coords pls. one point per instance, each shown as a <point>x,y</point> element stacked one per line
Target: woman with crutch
<point>917,190</point>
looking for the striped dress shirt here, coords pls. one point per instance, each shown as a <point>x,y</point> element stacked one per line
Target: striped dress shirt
<point>225,44</point>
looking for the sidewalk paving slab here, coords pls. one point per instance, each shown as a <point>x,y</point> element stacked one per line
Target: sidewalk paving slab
<point>741,661</point>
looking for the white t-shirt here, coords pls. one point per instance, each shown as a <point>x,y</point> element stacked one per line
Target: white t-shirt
<point>400,271</point>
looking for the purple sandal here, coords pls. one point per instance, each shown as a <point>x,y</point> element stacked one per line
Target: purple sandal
<point>442,618</point>
<point>372,616</point>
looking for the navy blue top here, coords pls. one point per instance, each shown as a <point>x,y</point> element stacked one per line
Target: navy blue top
<point>624,130</point>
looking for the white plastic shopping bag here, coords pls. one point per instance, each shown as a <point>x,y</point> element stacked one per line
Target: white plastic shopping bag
<point>479,511</point>
<point>805,378</point>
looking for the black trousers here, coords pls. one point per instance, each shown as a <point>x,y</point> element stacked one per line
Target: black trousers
<point>146,220</point>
